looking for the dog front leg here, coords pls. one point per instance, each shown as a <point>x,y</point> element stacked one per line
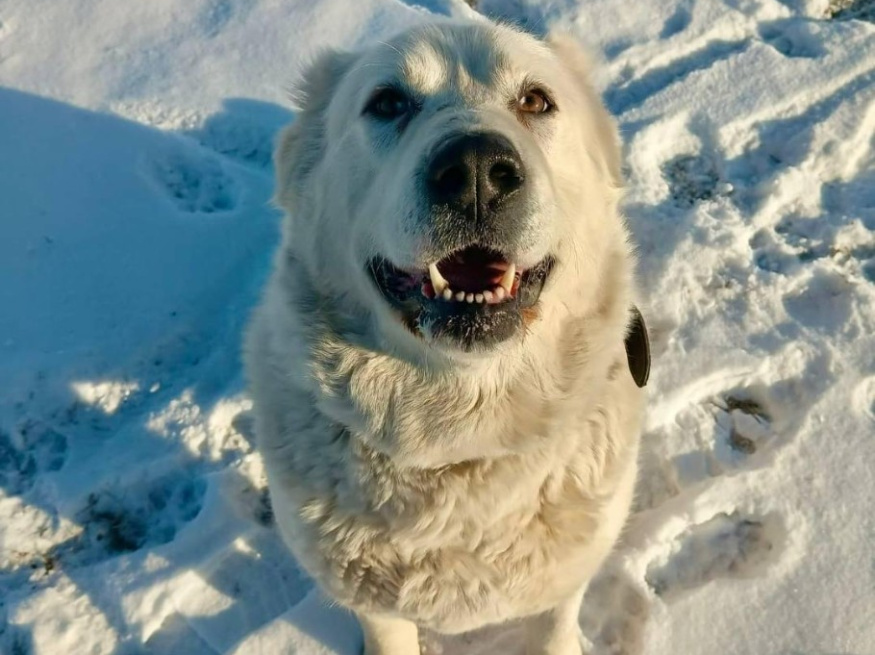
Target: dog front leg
<point>556,631</point>
<point>389,636</point>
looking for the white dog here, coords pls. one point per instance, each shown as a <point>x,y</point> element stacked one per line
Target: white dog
<point>439,366</point>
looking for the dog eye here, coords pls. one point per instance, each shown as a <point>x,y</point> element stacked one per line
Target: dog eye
<point>535,101</point>
<point>388,104</point>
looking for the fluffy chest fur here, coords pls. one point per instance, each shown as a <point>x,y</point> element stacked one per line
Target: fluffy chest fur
<point>453,500</point>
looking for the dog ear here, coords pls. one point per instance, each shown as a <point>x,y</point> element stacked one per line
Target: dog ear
<point>580,63</point>
<point>301,145</point>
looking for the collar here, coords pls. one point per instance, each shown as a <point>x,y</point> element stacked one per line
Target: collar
<point>638,348</point>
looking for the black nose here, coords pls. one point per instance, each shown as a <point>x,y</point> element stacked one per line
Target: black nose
<point>475,171</point>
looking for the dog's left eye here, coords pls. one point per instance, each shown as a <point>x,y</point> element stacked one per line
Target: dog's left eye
<point>388,104</point>
<point>535,101</point>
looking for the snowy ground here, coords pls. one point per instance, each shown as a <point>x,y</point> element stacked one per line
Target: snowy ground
<point>134,233</point>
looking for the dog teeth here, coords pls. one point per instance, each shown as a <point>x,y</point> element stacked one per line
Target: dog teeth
<point>487,296</point>
<point>438,281</point>
<point>507,278</point>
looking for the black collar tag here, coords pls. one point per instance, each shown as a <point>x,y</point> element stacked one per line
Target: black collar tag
<point>638,349</point>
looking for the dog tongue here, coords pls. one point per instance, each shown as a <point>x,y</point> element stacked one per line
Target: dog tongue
<point>473,269</point>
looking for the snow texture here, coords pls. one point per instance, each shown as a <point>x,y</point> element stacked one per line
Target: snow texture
<point>135,232</point>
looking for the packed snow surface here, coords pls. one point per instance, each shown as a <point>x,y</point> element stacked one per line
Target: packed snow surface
<point>135,232</point>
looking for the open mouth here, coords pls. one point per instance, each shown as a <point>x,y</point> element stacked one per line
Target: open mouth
<point>473,297</point>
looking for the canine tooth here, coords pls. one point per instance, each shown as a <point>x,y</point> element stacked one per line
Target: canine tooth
<point>470,297</point>
<point>478,297</point>
<point>460,296</point>
<point>437,280</point>
<point>447,294</point>
<point>500,293</point>
<point>487,296</point>
<point>507,278</point>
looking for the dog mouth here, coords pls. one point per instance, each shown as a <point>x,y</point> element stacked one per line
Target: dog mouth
<point>474,297</point>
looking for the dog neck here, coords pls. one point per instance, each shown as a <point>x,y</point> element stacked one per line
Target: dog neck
<point>431,411</point>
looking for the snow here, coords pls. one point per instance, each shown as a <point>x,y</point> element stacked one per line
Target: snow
<point>135,155</point>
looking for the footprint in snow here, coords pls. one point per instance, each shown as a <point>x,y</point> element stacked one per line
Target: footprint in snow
<point>244,130</point>
<point>778,145</point>
<point>825,304</point>
<point>693,179</point>
<point>719,435</point>
<point>726,430</point>
<point>676,23</point>
<point>743,427</point>
<point>614,614</point>
<point>126,519</point>
<point>26,452</point>
<point>852,10</point>
<point>794,37</point>
<point>195,184</point>
<point>215,17</point>
<point>631,93</point>
<point>796,241</point>
<point>725,546</point>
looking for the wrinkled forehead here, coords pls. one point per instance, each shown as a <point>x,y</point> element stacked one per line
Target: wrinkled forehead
<point>469,59</point>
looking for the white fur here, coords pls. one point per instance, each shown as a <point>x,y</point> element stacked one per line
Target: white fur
<point>417,484</point>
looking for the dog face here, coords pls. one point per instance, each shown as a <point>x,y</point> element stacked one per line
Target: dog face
<point>451,182</point>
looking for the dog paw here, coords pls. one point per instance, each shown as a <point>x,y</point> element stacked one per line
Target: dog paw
<point>725,546</point>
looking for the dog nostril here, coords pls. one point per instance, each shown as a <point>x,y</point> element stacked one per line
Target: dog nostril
<point>505,177</point>
<point>451,181</point>
<point>474,172</point>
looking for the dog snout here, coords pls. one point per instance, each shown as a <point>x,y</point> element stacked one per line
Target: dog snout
<point>475,173</point>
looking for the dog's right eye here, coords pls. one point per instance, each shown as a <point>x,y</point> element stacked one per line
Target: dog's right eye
<point>388,104</point>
